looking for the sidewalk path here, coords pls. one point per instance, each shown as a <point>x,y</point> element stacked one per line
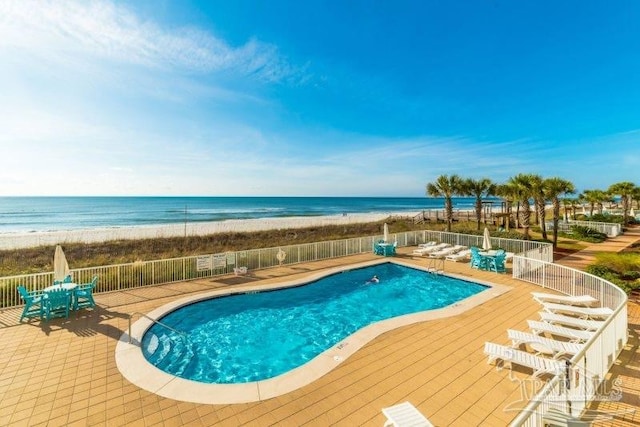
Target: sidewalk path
<point>625,374</point>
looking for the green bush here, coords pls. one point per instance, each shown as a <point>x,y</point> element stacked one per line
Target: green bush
<point>587,234</point>
<point>598,270</point>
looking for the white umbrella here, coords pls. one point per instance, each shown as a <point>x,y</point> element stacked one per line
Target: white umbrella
<point>60,266</point>
<point>385,232</point>
<point>632,213</point>
<point>486,241</point>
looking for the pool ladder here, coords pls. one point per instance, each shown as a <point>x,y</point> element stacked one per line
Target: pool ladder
<point>182,334</point>
<point>432,265</point>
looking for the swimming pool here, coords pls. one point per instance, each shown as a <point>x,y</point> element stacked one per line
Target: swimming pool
<point>256,336</point>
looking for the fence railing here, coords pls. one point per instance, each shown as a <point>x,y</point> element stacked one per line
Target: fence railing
<point>146,273</point>
<point>572,391</point>
<point>611,229</point>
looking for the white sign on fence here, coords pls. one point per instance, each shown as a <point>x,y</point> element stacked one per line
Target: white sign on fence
<point>204,263</point>
<point>219,260</point>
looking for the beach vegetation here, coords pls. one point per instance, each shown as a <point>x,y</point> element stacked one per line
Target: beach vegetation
<point>623,269</point>
<point>446,186</point>
<point>625,190</point>
<point>554,188</point>
<point>479,189</point>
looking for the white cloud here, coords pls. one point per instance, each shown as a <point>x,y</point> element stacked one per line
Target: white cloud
<point>64,28</point>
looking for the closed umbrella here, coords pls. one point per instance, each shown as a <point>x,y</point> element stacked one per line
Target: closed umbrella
<point>60,266</point>
<point>632,213</point>
<point>386,232</point>
<point>486,241</point>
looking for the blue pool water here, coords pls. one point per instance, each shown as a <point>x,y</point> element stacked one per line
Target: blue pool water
<point>251,337</point>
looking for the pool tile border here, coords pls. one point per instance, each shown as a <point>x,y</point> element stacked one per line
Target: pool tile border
<point>135,368</point>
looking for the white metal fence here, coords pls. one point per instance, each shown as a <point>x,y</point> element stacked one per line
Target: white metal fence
<point>611,229</point>
<point>573,390</point>
<point>145,273</point>
<point>532,264</point>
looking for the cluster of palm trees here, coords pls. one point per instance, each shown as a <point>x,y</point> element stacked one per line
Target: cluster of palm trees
<point>527,191</point>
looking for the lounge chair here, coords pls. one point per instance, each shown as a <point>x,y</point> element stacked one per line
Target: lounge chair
<point>446,251</point>
<point>575,335</point>
<point>426,245</point>
<point>477,260</point>
<point>587,325</point>
<point>32,303</point>
<point>463,255</point>
<point>57,303</point>
<point>556,418</point>
<point>542,345</point>
<point>405,414</point>
<point>496,263</point>
<point>540,365</point>
<point>582,300</point>
<point>427,250</point>
<point>583,312</point>
<point>83,295</point>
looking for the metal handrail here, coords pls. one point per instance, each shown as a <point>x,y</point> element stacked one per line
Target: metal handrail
<point>182,334</point>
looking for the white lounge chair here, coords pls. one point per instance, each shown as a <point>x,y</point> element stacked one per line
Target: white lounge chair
<point>543,345</point>
<point>426,245</point>
<point>584,312</point>
<point>587,325</point>
<point>463,255</point>
<point>427,250</point>
<point>446,251</point>
<point>540,365</point>
<point>405,414</point>
<point>575,335</point>
<point>581,300</point>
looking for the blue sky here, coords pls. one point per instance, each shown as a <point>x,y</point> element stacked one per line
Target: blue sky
<point>335,98</point>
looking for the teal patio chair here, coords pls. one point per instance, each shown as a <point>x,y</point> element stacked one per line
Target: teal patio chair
<point>57,303</point>
<point>83,295</point>
<point>67,279</point>
<point>497,263</point>
<point>478,261</point>
<point>32,303</point>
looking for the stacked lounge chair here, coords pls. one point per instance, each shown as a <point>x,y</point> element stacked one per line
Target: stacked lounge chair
<point>446,251</point>
<point>427,250</point>
<point>463,255</point>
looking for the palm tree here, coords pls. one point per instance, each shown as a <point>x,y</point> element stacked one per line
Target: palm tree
<point>625,190</point>
<point>509,194</point>
<point>594,198</point>
<point>556,187</point>
<point>537,188</point>
<point>524,191</point>
<point>446,186</point>
<point>479,188</point>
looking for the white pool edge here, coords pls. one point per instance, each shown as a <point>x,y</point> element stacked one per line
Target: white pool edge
<point>135,368</point>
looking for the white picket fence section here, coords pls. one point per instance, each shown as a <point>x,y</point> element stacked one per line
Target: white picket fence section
<point>147,273</point>
<point>573,390</point>
<point>611,229</point>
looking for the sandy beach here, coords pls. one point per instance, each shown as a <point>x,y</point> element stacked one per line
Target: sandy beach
<point>26,240</point>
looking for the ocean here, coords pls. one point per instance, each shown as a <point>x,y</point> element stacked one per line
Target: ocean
<point>43,214</point>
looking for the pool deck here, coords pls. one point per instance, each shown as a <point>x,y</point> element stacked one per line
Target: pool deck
<point>64,372</point>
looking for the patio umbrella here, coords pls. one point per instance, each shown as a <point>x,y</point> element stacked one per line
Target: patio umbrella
<point>60,266</point>
<point>385,230</point>
<point>486,241</point>
<point>632,213</point>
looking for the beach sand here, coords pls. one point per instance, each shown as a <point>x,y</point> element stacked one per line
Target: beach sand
<point>46,238</point>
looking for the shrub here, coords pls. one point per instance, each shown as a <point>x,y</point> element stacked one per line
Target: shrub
<point>587,234</point>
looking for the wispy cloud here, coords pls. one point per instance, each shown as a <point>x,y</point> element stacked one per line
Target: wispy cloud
<point>113,32</point>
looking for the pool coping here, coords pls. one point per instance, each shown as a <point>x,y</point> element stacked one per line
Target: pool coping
<point>135,368</point>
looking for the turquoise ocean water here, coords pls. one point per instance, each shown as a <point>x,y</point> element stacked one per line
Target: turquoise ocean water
<point>28,214</point>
